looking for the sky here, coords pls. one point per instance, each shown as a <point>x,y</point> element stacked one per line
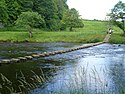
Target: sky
<point>93,9</point>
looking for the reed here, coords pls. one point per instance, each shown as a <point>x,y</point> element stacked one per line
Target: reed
<point>82,81</point>
<point>23,85</point>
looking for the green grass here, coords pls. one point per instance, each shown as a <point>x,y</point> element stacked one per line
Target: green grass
<point>116,38</point>
<point>93,31</point>
<point>42,36</point>
<point>92,26</point>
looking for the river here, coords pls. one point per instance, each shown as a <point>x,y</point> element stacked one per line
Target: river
<point>94,70</point>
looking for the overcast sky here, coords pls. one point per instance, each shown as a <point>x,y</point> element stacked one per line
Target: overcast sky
<point>93,9</point>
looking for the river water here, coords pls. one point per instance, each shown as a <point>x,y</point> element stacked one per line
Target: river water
<point>95,70</point>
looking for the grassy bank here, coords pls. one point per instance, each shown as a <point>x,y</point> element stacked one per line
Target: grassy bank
<point>42,36</point>
<point>93,31</point>
<point>117,38</point>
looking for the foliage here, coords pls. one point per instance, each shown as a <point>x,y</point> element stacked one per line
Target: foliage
<point>61,7</point>
<point>118,15</point>
<point>3,12</point>
<point>30,19</point>
<point>50,10</point>
<point>72,19</point>
<point>13,11</point>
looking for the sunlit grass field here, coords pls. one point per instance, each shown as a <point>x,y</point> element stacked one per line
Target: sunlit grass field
<point>117,38</point>
<point>42,36</point>
<point>93,31</point>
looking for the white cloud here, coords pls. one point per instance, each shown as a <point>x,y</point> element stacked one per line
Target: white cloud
<point>92,9</point>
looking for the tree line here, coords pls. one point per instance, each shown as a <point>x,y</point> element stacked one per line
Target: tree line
<point>46,14</point>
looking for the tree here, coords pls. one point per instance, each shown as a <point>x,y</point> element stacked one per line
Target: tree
<point>51,10</point>
<point>3,12</point>
<point>117,15</point>
<point>29,20</point>
<point>48,10</point>
<point>61,7</point>
<point>72,19</point>
<point>13,11</point>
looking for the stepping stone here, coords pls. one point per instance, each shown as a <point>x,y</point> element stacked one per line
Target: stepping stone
<point>46,54</point>
<point>5,61</point>
<point>51,53</point>
<point>15,60</point>
<point>29,57</point>
<point>35,55</point>
<point>56,52</point>
<point>22,58</point>
<point>41,55</point>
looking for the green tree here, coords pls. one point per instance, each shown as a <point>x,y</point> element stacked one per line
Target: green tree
<point>29,20</point>
<point>61,7</point>
<point>27,5</point>
<point>13,11</point>
<point>3,12</point>
<point>15,8</point>
<point>49,11</point>
<point>117,15</point>
<point>72,19</point>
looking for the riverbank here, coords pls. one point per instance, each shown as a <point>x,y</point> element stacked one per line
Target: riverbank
<point>93,31</point>
<point>44,36</point>
<point>117,38</point>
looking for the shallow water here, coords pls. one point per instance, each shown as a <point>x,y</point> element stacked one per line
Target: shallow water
<point>99,69</point>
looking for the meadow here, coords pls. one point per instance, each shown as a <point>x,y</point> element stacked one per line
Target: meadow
<point>93,31</point>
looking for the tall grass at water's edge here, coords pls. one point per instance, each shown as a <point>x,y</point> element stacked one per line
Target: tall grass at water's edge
<point>23,85</point>
<point>81,82</point>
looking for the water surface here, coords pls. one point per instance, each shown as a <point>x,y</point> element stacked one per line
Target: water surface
<point>99,69</point>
